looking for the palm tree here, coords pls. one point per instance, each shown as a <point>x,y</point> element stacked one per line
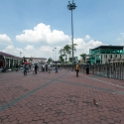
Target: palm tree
<point>49,60</point>
<point>31,59</point>
<point>24,59</point>
<point>61,58</point>
<point>67,49</point>
<point>83,55</point>
<point>62,54</point>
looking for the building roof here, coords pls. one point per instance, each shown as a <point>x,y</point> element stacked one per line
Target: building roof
<point>108,46</point>
<point>36,58</point>
<point>6,55</point>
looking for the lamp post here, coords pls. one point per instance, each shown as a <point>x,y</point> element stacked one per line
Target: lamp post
<point>72,6</point>
<point>55,53</point>
<point>20,54</point>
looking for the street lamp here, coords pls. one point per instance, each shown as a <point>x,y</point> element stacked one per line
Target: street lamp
<point>55,53</point>
<point>20,54</point>
<point>72,6</point>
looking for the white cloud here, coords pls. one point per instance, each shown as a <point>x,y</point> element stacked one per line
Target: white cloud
<point>4,39</point>
<point>87,37</point>
<point>83,46</point>
<point>46,51</point>
<point>122,34</point>
<point>12,50</point>
<point>42,33</point>
<point>47,40</point>
<point>119,38</point>
<point>29,48</point>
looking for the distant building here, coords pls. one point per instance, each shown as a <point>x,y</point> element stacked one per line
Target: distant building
<point>36,60</point>
<point>106,54</point>
<point>9,61</point>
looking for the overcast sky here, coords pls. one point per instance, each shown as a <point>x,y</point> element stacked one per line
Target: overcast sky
<point>36,27</point>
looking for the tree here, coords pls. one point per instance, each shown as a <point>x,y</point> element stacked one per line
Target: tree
<point>61,59</point>
<point>31,59</point>
<point>67,51</point>
<point>83,56</point>
<point>49,60</point>
<point>24,59</point>
<point>62,55</point>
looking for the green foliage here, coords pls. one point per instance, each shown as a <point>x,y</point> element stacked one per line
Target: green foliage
<point>83,55</point>
<point>24,59</point>
<point>66,51</point>
<point>49,60</point>
<point>61,59</point>
<point>31,59</point>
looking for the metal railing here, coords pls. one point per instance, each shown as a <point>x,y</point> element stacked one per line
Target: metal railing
<point>105,70</point>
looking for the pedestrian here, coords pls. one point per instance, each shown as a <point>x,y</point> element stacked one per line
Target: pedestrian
<point>16,67</point>
<point>77,69</point>
<point>43,67</point>
<point>87,68</point>
<point>25,70</point>
<point>49,68</point>
<point>46,67</point>
<point>35,68</point>
<point>28,68</point>
<point>56,69</point>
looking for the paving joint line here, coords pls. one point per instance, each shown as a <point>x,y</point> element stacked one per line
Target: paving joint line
<point>88,86</point>
<point>11,103</point>
<point>93,87</point>
<point>105,82</point>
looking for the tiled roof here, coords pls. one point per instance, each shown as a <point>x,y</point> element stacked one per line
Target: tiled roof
<point>8,55</point>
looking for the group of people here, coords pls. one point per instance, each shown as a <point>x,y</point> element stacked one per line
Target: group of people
<point>77,69</point>
<point>27,67</point>
<point>35,68</point>
<point>47,68</point>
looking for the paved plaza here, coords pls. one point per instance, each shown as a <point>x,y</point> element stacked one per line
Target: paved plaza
<point>60,98</point>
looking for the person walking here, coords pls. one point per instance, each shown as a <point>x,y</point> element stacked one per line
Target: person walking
<point>56,68</point>
<point>77,69</point>
<point>49,68</point>
<point>25,70</point>
<point>87,68</point>
<point>43,67</point>
<point>46,67</point>
<point>16,67</point>
<point>35,68</point>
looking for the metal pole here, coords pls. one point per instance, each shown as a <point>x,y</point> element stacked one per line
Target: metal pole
<point>53,54</point>
<point>72,37</point>
<point>72,6</point>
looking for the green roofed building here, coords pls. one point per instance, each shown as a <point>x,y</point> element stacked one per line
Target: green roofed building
<point>107,54</point>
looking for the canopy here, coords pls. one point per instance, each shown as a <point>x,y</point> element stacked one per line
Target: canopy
<point>26,63</point>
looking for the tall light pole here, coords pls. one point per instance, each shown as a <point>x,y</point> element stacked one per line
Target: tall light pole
<point>20,54</point>
<point>55,53</point>
<point>72,6</point>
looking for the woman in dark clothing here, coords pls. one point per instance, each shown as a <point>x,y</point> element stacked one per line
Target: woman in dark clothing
<point>35,68</point>
<point>87,69</point>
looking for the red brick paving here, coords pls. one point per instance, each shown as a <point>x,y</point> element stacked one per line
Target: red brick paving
<point>60,98</point>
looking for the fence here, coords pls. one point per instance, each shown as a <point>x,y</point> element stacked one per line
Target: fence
<point>106,70</point>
